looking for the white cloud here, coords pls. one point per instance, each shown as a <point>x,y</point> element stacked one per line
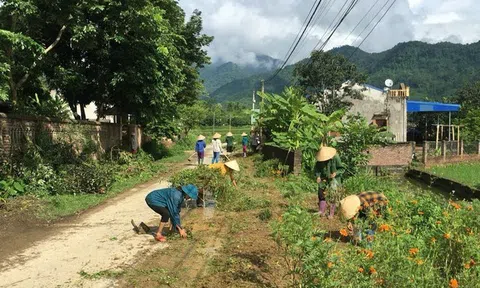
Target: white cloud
<point>243,28</point>
<point>441,18</point>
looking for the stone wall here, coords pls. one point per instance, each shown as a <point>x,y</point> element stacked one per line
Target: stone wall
<point>399,154</point>
<point>16,130</point>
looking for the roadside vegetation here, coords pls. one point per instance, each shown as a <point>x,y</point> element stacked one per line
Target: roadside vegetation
<point>465,173</point>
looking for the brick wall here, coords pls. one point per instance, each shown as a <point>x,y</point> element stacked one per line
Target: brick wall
<point>15,130</point>
<point>399,154</point>
<point>432,161</point>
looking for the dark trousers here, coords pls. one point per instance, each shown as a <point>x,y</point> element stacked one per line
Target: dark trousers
<point>321,194</point>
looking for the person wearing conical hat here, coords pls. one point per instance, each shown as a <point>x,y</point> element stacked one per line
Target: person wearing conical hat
<point>360,206</point>
<point>227,168</point>
<point>200,148</point>
<point>328,170</point>
<point>217,147</point>
<point>168,202</point>
<point>229,141</point>
<point>244,144</point>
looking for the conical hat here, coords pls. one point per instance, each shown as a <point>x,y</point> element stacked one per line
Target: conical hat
<point>349,206</point>
<point>244,134</point>
<point>216,136</point>
<point>229,134</point>
<point>326,153</point>
<point>233,165</point>
<point>200,137</point>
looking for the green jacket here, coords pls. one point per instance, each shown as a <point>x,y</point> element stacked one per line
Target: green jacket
<point>229,140</point>
<point>325,168</point>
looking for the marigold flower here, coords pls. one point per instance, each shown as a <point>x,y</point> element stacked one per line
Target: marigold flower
<point>372,270</point>
<point>314,238</point>
<point>455,205</point>
<point>420,262</point>
<point>330,265</point>
<point>447,236</point>
<point>370,238</point>
<point>369,253</point>
<point>413,251</point>
<point>360,270</point>
<point>438,222</point>
<point>453,283</point>
<point>384,227</point>
<point>467,265</point>
<point>328,240</point>
<point>433,240</point>
<point>469,207</point>
<point>343,232</point>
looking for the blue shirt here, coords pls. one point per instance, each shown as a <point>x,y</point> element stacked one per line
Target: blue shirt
<point>200,146</point>
<point>244,140</point>
<point>170,198</point>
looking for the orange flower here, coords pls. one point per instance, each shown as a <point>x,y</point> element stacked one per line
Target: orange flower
<point>455,205</point>
<point>469,207</point>
<point>370,238</point>
<point>434,240</point>
<point>453,283</point>
<point>447,236</point>
<point>369,253</point>
<point>420,213</point>
<point>327,240</point>
<point>420,262</point>
<point>413,251</point>
<point>343,232</point>
<point>314,238</point>
<point>330,265</point>
<point>438,222</point>
<point>360,270</point>
<point>467,265</point>
<point>384,227</point>
<point>372,270</point>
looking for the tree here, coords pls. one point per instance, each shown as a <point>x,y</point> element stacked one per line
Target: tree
<point>296,124</point>
<point>191,116</point>
<point>328,79</point>
<point>469,96</point>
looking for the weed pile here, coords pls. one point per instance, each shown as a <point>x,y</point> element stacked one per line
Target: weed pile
<point>420,241</point>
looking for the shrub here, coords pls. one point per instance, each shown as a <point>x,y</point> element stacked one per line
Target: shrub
<point>89,177</point>
<point>265,214</point>
<point>155,149</point>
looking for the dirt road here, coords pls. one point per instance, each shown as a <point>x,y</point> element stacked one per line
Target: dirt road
<point>100,240</point>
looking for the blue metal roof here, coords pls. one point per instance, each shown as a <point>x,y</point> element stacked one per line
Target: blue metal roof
<point>420,106</point>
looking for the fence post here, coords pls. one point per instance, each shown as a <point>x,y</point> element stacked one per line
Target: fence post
<point>478,147</point>
<point>425,152</point>
<point>444,150</point>
<point>297,162</point>
<point>460,148</point>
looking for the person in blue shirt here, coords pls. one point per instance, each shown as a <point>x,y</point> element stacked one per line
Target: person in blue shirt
<point>168,202</point>
<point>200,148</point>
<point>244,144</point>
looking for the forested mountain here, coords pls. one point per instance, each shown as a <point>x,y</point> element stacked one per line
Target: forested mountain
<point>433,71</point>
<point>219,74</point>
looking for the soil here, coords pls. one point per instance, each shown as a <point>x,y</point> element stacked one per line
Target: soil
<point>100,238</point>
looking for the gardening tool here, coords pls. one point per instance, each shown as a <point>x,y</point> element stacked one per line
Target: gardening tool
<point>189,158</point>
<point>226,157</point>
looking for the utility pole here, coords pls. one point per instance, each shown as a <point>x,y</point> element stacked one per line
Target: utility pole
<point>214,120</point>
<point>261,108</point>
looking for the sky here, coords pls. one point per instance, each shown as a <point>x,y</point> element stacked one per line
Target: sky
<point>244,28</point>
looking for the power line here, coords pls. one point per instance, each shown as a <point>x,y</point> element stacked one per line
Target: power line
<point>298,41</point>
<point>378,22</point>
<point>371,21</point>
<point>299,31</point>
<point>363,18</point>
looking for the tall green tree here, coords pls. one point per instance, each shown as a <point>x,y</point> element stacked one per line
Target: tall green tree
<point>328,79</point>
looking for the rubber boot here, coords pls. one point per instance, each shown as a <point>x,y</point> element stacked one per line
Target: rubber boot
<point>322,207</point>
<point>332,211</point>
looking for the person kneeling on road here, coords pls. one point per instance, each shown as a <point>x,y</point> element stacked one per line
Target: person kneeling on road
<point>168,202</point>
<point>227,168</point>
<point>364,206</point>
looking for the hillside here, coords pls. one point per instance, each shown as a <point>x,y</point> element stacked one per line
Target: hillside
<point>219,74</point>
<point>433,71</point>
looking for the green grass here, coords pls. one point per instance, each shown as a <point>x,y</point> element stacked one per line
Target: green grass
<point>465,173</point>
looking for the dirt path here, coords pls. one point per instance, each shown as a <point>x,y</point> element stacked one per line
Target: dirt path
<point>100,240</point>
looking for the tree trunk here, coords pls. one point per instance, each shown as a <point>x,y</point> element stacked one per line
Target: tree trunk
<point>73,107</point>
<point>82,111</point>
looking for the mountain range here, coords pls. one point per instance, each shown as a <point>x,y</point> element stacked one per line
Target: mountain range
<point>433,71</point>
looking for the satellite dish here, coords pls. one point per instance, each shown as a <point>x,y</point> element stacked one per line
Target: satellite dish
<point>389,83</point>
